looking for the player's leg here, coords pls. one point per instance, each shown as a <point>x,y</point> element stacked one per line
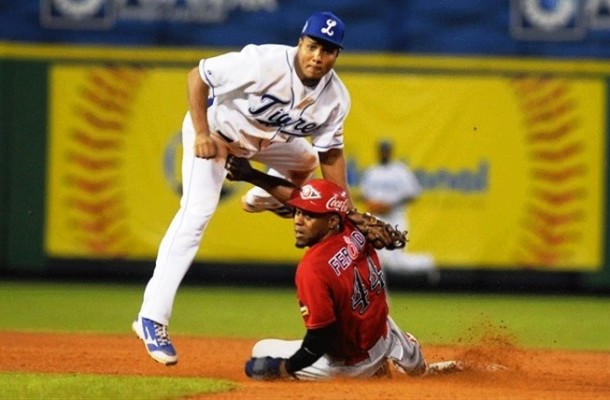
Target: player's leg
<point>319,370</point>
<point>401,261</point>
<point>405,353</point>
<point>295,161</point>
<point>407,357</point>
<point>257,200</point>
<point>202,183</point>
<point>374,365</point>
<point>325,367</point>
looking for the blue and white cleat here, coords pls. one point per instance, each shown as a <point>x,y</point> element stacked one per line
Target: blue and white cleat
<point>156,340</point>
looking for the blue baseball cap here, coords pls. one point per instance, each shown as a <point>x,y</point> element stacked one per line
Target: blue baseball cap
<point>325,26</point>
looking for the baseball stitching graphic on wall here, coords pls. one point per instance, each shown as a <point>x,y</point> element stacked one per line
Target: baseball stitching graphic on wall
<point>510,177</point>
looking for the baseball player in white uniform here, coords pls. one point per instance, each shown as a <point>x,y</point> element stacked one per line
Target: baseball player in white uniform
<point>261,103</point>
<point>387,188</point>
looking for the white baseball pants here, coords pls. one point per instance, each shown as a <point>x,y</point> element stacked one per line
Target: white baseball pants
<point>400,348</point>
<point>201,186</point>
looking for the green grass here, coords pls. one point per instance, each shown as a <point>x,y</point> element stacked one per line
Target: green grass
<point>535,321</point>
<point>110,308</point>
<point>539,321</point>
<point>80,386</point>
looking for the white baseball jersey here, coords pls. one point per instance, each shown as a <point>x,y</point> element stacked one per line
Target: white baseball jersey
<point>257,93</point>
<point>391,183</point>
<point>258,100</point>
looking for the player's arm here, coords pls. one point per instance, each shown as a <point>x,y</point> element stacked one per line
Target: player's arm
<point>334,168</point>
<point>239,169</point>
<point>315,344</point>
<point>197,93</point>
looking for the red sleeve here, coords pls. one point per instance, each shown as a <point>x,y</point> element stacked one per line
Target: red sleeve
<point>314,293</point>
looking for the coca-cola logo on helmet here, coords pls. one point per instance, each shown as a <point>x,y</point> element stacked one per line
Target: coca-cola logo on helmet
<point>337,203</point>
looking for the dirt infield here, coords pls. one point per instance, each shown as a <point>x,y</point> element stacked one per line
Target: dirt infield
<point>532,374</point>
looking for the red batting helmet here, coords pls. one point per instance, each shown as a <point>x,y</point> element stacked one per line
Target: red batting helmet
<point>320,196</point>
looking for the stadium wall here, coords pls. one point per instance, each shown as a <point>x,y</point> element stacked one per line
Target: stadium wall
<point>30,176</point>
<point>499,107</point>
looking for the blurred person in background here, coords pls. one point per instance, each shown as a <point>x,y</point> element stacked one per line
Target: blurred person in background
<point>386,188</point>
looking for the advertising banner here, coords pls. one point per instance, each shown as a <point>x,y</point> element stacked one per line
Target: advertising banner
<point>511,166</point>
<point>532,28</point>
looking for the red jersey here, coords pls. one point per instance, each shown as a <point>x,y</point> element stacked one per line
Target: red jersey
<point>339,280</point>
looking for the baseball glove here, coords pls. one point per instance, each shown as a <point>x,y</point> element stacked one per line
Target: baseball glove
<point>380,234</point>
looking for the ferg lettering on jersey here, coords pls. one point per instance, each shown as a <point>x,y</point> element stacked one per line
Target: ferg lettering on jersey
<point>273,112</point>
<point>343,258</point>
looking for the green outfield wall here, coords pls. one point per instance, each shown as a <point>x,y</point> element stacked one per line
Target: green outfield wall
<point>24,118</point>
<point>52,94</point>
